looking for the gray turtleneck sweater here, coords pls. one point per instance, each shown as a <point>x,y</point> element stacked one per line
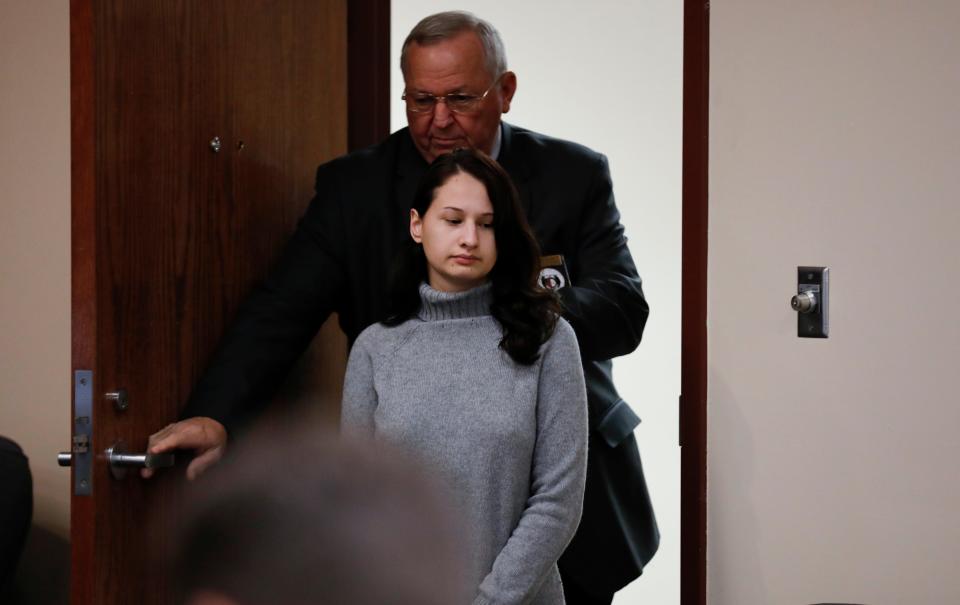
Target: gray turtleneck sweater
<point>508,441</point>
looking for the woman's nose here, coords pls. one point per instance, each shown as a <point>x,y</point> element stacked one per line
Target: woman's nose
<point>468,237</point>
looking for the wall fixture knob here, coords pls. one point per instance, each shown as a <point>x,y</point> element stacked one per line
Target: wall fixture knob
<point>804,302</point>
<point>215,144</point>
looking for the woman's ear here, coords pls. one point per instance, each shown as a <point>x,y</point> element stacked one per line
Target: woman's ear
<point>416,226</point>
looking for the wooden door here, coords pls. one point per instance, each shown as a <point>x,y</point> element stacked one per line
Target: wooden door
<point>196,129</point>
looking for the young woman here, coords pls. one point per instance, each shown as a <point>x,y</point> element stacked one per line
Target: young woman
<point>478,376</point>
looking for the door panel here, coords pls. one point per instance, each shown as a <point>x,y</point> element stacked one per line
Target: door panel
<point>276,158</point>
<point>158,93</point>
<point>168,235</point>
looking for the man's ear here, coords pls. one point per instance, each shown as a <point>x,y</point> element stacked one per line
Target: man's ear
<point>416,226</point>
<point>508,86</point>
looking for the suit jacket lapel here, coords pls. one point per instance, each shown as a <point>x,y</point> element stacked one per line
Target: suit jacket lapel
<point>511,158</point>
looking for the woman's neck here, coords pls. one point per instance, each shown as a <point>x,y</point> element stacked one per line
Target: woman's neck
<point>438,305</point>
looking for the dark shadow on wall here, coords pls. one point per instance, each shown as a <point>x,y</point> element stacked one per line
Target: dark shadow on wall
<point>43,575</point>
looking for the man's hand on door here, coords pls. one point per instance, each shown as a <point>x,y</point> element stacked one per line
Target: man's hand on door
<point>205,436</point>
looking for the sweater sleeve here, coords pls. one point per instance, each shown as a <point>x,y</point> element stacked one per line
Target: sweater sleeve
<point>359,395</point>
<point>557,477</point>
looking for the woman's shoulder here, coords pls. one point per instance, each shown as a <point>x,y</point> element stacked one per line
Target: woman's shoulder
<point>379,338</point>
<point>563,338</point>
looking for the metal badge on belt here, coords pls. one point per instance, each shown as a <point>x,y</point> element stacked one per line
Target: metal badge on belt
<point>553,273</point>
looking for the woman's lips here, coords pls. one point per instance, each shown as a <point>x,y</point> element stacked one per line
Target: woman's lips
<point>464,259</point>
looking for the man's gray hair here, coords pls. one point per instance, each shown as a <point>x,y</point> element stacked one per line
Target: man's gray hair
<point>446,25</point>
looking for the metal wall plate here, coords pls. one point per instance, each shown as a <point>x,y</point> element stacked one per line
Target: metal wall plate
<point>82,445</point>
<point>814,282</point>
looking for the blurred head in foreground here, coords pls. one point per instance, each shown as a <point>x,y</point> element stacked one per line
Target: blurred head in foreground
<point>313,520</point>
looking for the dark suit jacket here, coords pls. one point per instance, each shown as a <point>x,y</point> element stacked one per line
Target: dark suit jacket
<point>16,510</point>
<point>339,260</point>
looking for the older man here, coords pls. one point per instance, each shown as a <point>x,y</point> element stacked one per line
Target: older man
<point>457,88</point>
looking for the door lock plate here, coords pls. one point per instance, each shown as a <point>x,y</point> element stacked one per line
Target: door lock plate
<point>81,460</point>
<point>812,302</point>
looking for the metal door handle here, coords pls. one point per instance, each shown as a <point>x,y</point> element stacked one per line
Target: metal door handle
<point>120,460</point>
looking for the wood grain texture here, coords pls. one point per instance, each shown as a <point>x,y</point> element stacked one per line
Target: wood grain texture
<point>170,236</point>
<point>267,167</point>
<point>368,27</point>
<point>83,267</point>
<point>159,92</point>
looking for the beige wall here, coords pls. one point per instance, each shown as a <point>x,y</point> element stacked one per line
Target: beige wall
<point>35,272</point>
<point>35,245</point>
<point>833,463</point>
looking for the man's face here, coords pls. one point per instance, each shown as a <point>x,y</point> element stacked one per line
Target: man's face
<point>455,65</point>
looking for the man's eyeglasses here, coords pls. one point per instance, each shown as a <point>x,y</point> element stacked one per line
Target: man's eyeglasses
<point>457,102</point>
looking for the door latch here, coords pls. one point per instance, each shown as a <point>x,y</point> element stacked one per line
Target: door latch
<point>79,456</point>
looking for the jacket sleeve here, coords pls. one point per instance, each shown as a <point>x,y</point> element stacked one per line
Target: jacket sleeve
<point>279,318</point>
<point>557,477</point>
<point>359,394</point>
<point>605,304</point>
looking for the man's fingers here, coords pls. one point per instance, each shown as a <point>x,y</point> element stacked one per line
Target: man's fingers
<point>160,435</point>
<point>193,433</point>
<point>205,436</point>
<point>201,463</point>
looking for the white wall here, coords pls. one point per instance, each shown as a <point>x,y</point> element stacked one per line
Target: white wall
<point>608,74</point>
<point>833,463</point>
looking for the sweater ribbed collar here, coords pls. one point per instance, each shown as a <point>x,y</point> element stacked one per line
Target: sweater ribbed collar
<point>437,305</point>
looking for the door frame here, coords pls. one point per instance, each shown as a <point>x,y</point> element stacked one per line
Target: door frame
<point>693,322</point>
<point>368,72</point>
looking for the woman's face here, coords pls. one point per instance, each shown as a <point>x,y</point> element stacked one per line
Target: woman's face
<point>457,234</point>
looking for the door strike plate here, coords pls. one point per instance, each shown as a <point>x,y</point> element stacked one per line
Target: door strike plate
<point>82,450</point>
<point>812,302</point>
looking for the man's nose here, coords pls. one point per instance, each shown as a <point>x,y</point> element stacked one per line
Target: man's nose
<point>442,116</point>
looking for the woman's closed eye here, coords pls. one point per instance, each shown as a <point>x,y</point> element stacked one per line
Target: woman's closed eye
<point>459,221</point>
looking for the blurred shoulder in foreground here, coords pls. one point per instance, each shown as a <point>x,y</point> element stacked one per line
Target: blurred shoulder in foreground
<point>312,519</point>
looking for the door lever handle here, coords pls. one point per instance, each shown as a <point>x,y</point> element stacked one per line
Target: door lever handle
<point>120,460</point>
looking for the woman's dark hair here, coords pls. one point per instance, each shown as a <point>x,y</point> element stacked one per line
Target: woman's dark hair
<point>526,313</point>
